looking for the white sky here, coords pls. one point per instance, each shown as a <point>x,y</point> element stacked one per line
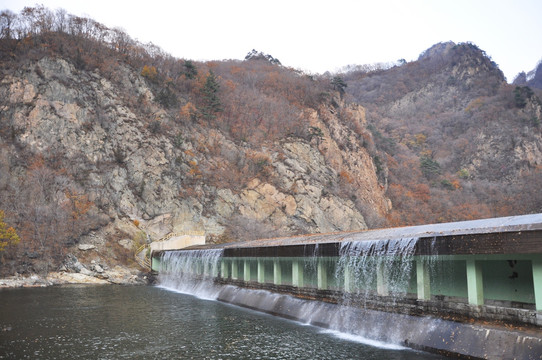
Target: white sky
<point>318,36</point>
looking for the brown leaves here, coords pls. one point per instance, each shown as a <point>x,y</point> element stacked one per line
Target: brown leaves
<point>78,204</point>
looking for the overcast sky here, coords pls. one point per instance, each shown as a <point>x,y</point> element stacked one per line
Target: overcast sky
<point>318,36</point>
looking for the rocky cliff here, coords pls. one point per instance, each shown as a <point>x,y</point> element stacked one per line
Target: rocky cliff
<point>84,131</point>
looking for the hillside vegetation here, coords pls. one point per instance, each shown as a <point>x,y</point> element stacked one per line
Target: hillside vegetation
<point>459,142</point>
<point>110,142</point>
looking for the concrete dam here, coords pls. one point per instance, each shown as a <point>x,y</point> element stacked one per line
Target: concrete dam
<point>470,289</point>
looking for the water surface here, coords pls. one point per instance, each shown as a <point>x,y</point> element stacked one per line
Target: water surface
<point>143,322</point>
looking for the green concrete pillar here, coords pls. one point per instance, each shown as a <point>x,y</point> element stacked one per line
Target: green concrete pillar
<point>205,269</point>
<point>194,267</point>
<point>246,270</point>
<point>277,273</point>
<point>321,274</point>
<point>422,280</point>
<point>234,269</point>
<point>475,284</point>
<point>155,264</point>
<point>224,269</point>
<point>209,269</point>
<point>297,273</point>
<point>381,280</point>
<point>347,279</point>
<point>214,269</point>
<point>261,271</point>
<point>537,283</point>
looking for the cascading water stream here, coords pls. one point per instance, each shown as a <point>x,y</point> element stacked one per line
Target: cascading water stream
<point>191,272</point>
<point>357,269</point>
<point>311,258</point>
<point>375,268</point>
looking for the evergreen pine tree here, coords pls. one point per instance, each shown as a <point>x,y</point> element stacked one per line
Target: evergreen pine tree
<point>339,84</point>
<point>190,70</point>
<point>211,104</point>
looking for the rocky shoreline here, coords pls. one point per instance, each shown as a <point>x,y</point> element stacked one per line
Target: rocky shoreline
<point>92,265</point>
<point>117,275</point>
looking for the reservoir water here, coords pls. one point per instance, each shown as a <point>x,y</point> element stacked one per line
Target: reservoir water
<point>144,322</point>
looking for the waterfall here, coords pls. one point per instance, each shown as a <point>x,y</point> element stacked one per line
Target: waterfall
<point>366,272</point>
<point>191,272</point>
<point>310,260</point>
<point>376,268</point>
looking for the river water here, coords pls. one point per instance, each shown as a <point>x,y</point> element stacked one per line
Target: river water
<point>145,322</point>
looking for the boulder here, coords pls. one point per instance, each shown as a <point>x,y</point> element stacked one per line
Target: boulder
<point>85,247</point>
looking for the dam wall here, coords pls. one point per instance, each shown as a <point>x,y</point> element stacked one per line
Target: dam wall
<point>479,277</point>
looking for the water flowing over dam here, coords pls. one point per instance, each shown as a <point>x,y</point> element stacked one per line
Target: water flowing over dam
<point>470,289</point>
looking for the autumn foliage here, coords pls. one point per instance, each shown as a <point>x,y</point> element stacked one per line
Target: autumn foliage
<point>8,235</point>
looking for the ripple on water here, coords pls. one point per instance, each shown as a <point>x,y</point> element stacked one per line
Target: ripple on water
<point>109,322</point>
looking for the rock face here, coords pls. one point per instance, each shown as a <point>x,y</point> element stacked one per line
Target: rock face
<point>132,171</point>
<point>533,78</point>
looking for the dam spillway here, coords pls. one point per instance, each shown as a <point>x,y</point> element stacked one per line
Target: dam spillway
<point>434,287</point>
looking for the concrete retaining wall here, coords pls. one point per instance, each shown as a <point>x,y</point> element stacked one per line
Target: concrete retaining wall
<point>471,341</point>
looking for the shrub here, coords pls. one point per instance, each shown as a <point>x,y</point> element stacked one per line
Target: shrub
<point>447,184</point>
<point>178,140</point>
<point>463,173</point>
<point>149,72</point>
<point>521,95</point>
<point>8,236</point>
<point>429,167</point>
<point>155,126</point>
<point>166,97</point>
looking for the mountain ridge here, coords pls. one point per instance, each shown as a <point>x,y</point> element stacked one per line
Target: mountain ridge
<point>453,113</point>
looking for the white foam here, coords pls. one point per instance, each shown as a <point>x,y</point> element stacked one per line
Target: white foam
<point>199,295</point>
<point>363,340</point>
